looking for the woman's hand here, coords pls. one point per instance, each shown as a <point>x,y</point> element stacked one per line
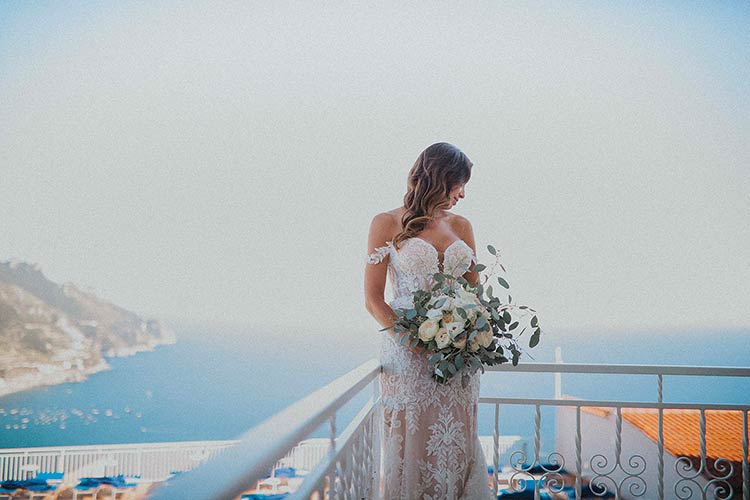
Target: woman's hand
<point>419,350</point>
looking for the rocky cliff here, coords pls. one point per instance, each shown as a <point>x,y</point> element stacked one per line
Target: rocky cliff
<point>51,333</point>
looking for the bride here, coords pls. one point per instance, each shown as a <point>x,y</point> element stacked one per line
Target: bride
<point>430,445</point>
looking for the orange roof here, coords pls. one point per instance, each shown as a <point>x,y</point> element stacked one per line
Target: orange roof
<point>681,429</point>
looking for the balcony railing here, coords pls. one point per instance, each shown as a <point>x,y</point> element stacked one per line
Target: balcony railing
<point>350,468</point>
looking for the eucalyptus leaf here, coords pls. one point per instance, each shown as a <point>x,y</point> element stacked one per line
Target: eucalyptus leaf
<point>479,267</point>
<point>459,362</point>
<point>491,249</point>
<point>502,282</point>
<point>506,316</point>
<point>534,321</point>
<point>534,340</point>
<point>513,325</point>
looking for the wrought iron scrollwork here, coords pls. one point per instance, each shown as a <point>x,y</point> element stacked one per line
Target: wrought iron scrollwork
<point>633,480</point>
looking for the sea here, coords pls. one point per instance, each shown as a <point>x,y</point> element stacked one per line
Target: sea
<point>219,381</point>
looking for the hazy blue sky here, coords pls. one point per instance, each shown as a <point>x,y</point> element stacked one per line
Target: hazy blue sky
<point>223,160</point>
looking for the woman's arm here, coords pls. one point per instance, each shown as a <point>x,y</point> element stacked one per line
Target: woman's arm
<point>375,274</point>
<point>466,232</point>
<point>382,228</point>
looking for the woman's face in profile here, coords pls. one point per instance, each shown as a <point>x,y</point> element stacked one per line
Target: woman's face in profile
<point>455,194</point>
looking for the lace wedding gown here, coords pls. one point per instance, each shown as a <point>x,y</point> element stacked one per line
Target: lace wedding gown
<point>430,445</point>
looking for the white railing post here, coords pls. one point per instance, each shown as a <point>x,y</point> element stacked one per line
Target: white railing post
<point>579,470</point>
<point>332,451</point>
<point>745,472</point>
<point>660,439</point>
<point>558,375</point>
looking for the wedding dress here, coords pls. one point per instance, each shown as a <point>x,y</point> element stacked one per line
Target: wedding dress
<point>429,446</point>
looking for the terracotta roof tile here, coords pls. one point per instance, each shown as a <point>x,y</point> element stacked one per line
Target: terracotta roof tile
<point>681,429</point>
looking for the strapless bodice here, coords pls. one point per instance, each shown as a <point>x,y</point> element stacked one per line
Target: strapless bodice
<point>412,267</point>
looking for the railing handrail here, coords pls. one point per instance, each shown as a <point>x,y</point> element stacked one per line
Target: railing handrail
<point>117,446</point>
<point>227,475</point>
<point>718,371</point>
<point>615,404</point>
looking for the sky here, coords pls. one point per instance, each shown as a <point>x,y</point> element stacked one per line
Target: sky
<point>222,161</point>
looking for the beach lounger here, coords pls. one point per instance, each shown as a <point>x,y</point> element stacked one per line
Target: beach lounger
<point>26,488</point>
<point>526,493</point>
<point>108,486</point>
<point>261,496</point>
<point>570,492</point>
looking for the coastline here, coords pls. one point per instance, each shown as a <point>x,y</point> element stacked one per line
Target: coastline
<point>49,374</point>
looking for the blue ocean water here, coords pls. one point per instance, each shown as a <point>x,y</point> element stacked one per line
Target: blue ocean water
<point>217,382</point>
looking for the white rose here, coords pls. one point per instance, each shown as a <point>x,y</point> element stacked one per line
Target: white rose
<point>443,338</point>
<point>428,329</point>
<point>454,328</point>
<point>467,296</point>
<point>484,338</point>
<point>448,304</point>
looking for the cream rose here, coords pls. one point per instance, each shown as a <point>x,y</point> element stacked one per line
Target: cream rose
<point>428,329</point>
<point>484,338</point>
<point>460,344</point>
<point>443,338</point>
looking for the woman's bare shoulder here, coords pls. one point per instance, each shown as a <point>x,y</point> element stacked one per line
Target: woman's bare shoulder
<point>460,224</point>
<point>386,222</point>
<point>389,217</point>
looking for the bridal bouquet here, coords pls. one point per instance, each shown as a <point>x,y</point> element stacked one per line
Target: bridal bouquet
<point>464,327</point>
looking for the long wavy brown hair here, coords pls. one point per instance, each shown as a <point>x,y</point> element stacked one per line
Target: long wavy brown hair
<point>438,169</point>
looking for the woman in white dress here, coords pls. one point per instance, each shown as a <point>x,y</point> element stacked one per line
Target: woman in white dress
<point>430,445</point>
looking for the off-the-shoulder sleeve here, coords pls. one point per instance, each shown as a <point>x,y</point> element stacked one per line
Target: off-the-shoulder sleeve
<point>378,255</point>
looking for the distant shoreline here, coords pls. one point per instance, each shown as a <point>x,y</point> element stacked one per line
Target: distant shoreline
<point>55,374</point>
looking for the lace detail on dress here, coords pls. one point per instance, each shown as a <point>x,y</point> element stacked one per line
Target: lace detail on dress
<point>430,444</point>
<point>378,255</point>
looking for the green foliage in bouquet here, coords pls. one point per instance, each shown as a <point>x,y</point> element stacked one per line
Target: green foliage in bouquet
<point>464,327</point>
